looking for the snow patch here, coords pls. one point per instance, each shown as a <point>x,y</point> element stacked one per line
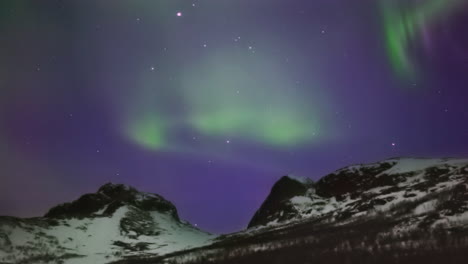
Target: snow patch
<point>425,207</point>
<point>303,180</point>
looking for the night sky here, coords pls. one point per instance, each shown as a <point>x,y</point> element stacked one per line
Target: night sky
<point>209,102</point>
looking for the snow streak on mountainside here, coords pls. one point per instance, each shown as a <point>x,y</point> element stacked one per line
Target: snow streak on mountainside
<point>115,222</point>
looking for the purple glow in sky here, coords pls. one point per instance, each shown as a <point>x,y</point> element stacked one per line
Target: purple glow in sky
<point>210,110</point>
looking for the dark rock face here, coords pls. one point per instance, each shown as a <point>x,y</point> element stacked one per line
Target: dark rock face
<point>355,182</point>
<point>457,204</point>
<point>283,190</point>
<point>84,206</point>
<point>139,222</point>
<point>109,198</point>
<point>119,192</point>
<point>5,241</point>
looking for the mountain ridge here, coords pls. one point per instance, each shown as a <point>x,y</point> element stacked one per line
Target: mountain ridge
<point>399,210</point>
<point>114,196</point>
<point>414,201</point>
<point>348,184</point>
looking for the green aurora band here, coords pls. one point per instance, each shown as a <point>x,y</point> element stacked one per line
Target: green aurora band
<point>250,99</point>
<point>403,25</point>
<point>148,132</point>
<point>231,95</point>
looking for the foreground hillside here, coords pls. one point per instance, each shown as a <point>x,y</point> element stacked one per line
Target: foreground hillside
<point>116,222</point>
<point>394,211</point>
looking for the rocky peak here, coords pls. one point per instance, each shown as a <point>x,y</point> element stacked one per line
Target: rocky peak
<point>287,187</point>
<point>284,189</point>
<point>108,199</point>
<point>114,190</point>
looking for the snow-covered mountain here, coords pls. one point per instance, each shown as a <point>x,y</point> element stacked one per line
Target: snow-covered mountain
<point>439,186</point>
<point>400,210</point>
<point>115,222</point>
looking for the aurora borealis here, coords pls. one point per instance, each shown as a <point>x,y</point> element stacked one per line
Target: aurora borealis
<point>407,25</point>
<point>209,102</point>
<point>226,102</point>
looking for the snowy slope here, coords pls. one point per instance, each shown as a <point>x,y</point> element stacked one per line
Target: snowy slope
<point>359,190</point>
<point>122,222</point>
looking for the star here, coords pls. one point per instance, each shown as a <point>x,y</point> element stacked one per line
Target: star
<point>228,141</point>
<point>393,144</point>
<point>179,14</point>
<point>152,68</point>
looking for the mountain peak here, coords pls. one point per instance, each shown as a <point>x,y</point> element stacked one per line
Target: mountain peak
<point>284,189</point>
<point>303,180</point>
<point>114,186</point>
<point>108,199</point>
<point>114,190</point>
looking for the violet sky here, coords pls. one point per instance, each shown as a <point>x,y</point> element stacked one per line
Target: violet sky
<point>209,102</point>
